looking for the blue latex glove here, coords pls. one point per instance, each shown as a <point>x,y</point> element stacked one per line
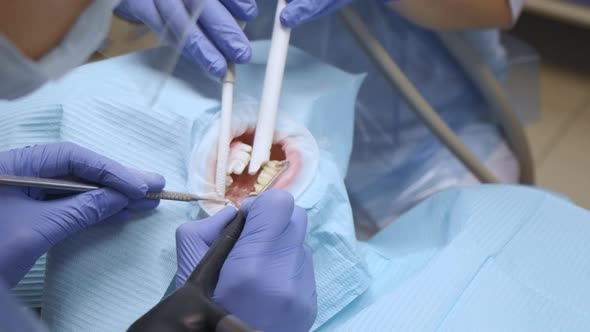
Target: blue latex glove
<point>267,279</point>
<point>215,37</point>
<point>298,12</point>
<point>30,222</point>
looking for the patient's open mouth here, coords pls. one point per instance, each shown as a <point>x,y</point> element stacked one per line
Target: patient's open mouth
<point>292,142</point>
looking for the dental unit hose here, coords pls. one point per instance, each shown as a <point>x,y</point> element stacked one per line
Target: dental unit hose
<point>411,96</point>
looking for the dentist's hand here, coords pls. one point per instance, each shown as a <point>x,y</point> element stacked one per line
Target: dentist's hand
<point>298,12</point>
<point>215,37</point>
<point>267,279</point>
<point>30,224</point>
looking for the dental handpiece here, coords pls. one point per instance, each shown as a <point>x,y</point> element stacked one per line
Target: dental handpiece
<point>79,187</point>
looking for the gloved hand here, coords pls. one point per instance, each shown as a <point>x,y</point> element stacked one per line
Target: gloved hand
<point>267,279</point>
<point>215,37</point>
<point>298,12</point>
<point>30,225</point>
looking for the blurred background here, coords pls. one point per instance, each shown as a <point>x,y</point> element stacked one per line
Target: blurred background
<point>559,31</point>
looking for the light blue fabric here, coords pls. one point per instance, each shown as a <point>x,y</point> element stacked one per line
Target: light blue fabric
<point>405,160</point>
<point>30,121</point>
<point>106,277</point>
<point>491,258</point>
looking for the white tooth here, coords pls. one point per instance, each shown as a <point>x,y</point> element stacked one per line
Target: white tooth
<point>239,158</point>
<point>240,166</point>
<point>233,165</point>
<point>269,170</point>
<point>243,156</point>
<point>266,174</point>
<point>228,181</point>
<point>257,188</point>
<point>263,178</point>
<point>245,147</point>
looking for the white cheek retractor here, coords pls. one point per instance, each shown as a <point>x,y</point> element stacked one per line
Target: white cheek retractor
<point>296,142</point>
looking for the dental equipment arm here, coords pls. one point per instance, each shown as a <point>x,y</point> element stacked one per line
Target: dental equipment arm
<point>411,96</point>
<point>271,92</point>
<point>492,91</point>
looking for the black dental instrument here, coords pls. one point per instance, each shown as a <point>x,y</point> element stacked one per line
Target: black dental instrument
<point>190,308</point>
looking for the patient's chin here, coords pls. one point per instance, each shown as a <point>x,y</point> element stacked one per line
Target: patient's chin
<point>292,142</point>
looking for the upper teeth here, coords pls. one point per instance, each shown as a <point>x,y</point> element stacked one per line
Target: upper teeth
<point>239,157</point>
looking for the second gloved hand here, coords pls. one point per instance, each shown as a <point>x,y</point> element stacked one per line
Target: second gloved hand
<point>30,224</point>
<point>267,279</point>
<point>298,12</point>
<point>215,37</point>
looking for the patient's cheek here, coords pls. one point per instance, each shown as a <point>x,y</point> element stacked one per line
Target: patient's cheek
<point>240,184</point>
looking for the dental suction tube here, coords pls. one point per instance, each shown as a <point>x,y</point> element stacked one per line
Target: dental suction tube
<point>271,92</point>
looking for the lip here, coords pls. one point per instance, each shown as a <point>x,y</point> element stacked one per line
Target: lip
<point>291,141</point>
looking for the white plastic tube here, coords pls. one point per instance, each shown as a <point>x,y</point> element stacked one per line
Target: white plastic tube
<point>271,92</point>
<point>227,100</point>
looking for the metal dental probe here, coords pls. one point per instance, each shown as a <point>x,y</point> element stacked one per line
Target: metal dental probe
<point>190,307</point>
<point>79,187</point>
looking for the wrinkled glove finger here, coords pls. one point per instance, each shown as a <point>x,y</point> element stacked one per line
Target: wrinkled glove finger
<point>298,12</point>
<point>83,210</point>
<point>155,183</point>
<point>119,218</point>
<point>268,216</point>
<point>244,10</point>
<point>292,237</point>
<point>307,302</point>
<point>194,238</point>
<point>223,30</point>
<point>197,48</point>
<point>143,204</point>
<point>295,233</point>
<point>207,229</point>
<point>62,159</point>
<point>146,13</point>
